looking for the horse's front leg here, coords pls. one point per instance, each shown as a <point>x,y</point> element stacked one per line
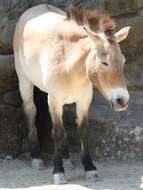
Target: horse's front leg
<point>82,121</point>
<point>58,133</point>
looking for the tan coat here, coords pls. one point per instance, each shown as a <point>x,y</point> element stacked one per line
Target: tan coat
<point>66,56</point>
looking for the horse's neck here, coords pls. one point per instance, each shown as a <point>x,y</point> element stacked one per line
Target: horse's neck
<point>72,31</point>
<point>76,62</point>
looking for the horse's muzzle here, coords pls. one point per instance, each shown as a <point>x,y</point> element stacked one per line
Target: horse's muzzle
<point>119,103</point>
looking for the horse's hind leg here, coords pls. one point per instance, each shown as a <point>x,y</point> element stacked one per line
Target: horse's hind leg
<point>26,90</point>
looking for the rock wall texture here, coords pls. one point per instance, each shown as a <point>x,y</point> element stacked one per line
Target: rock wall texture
<point>112,135</point>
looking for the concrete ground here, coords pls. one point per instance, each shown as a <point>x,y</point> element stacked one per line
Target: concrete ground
<point>17,174</point>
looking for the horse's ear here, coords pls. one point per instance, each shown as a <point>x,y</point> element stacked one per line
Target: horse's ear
<point>92,35</point>
<point>122,34</point>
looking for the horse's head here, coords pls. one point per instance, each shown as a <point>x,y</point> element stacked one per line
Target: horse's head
<point>105,62</point>
<point>105,66</point>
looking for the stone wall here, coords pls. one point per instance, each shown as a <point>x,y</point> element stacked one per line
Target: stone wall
<point>112,135</point>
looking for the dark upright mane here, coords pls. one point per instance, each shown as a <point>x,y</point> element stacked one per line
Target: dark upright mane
<point>97,21</point>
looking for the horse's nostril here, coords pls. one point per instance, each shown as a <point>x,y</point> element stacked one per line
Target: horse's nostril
<point>121,102</point>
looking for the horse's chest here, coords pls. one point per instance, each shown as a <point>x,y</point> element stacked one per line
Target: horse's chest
<point>71,95</point>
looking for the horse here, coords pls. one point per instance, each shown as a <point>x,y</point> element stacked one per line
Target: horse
<point>66,54</point>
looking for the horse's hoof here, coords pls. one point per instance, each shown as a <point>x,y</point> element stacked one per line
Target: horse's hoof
<point>59,178</point>
<point>37,164</point>
<point>92,176</point>
<point>68,164</point>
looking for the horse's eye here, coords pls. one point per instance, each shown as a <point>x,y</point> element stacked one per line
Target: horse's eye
<point>104,63</point>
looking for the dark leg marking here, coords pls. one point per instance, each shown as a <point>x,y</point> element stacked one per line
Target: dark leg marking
<point>90,168</point>
<point>86,158</point>
<point>65,148</point>
<point>58,137</point>
<point>58,172</point>
<point>56,110</point>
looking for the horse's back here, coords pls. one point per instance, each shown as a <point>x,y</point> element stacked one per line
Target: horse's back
<point>35,27</point>
<point>38,20</point>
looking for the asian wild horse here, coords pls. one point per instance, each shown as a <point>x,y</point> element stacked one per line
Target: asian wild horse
<point>66,55</point>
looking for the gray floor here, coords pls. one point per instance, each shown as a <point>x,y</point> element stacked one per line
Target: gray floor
<point>17,174</point>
